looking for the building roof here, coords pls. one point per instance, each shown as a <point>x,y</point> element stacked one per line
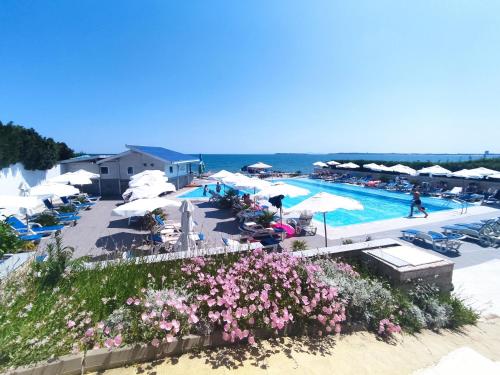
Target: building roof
<point>86,157</point>
<point>164,154</point>
<point>160,153</point>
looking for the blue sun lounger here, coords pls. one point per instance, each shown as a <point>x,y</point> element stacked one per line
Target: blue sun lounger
<point>440,242</point>
<point>23,229</point>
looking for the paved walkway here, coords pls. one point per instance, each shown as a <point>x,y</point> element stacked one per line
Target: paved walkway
<point>357,354</point>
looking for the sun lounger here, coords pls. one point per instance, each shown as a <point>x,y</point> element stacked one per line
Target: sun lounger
<point>266,244</point>
<point>487,234</point>
<point>453,193</point>
<point>36,228</point>
<point>214,197</point>
<point>441,242</point>
<point>255,230</point>
<point>77,204</point>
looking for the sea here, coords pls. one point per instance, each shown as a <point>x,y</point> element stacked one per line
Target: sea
<point>303,162</point>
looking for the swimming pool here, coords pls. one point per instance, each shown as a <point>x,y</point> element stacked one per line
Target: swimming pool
<point>197,193</point>
<point>378,204</point>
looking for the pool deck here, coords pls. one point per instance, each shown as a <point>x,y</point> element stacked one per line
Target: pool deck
<point>98,234</point>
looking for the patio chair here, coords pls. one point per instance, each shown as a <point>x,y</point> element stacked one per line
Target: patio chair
<point>255,230</point>
<point>36,228</point>
<point>440,242</point>
<point>493,199</point>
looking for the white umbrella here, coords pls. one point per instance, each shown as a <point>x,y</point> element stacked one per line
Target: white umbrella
<point>326,202</point>
<point>320,164</point>
<point>71,178</point>
<point>403,169</point>
<point>149,172</point>
<point>435,170</point>
<point>466,173</point>
<point>85,173</point>
<point>148,191</point>
<point>187,240</point>
<point>484,171</point>
<point>31,205</point>
<point>147,180</point>
<point>382,168</point>
<point>140,207</point>
<point>220,175</point>
<point>332,162</point>
<point>348,165</point>
<point>53,189</point>
<point>280,188</point>
<point>260,165</point>
<point>371,166</point>
<point>496,176</point>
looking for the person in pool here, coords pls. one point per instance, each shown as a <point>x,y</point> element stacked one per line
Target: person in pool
<point>218,188</point>
<point>417,202</point>
<point>205,190</point>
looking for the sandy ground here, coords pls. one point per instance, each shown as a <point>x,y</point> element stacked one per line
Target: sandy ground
<point>359,353</point>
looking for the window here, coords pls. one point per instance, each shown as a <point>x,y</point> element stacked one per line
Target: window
<point>130,170</point>
<point>171,169</point>
<point>152,164</point>
<point>104,170</point>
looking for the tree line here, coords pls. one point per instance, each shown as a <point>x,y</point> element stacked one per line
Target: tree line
<point>25,145</point>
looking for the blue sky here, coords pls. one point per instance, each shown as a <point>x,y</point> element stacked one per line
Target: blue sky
<point>256,76</point>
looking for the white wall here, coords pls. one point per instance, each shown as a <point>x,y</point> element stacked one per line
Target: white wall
<point>12,176</point>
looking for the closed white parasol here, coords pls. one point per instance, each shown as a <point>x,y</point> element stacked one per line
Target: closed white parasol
<point>187,240</point>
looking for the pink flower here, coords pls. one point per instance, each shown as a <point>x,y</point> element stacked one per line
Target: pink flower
<point>70,324</point>
<point>109,343</point>
<point>89,332</point>
<point>251,340</point>
<point>169,338</point>
<point>118,340</point>
<point>155,342</point>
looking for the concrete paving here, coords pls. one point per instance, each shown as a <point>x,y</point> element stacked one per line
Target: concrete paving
<point>98,234</point>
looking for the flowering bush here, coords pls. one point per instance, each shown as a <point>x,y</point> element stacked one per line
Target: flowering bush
<point>263,290</point>
<point>387,328</point>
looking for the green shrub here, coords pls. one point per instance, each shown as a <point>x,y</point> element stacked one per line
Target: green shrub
<point>299,245</point>
<point>46,219</point>
<point>69,208</point>
<point>51,270</point>
<point>9,241</point>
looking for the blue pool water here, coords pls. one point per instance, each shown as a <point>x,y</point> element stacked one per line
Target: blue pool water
<point>197,193</point>
<point>378,204</point>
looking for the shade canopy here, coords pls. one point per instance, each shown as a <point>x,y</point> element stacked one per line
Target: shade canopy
<point>383,168</point>
<point>403,169</point>
<point>71,178</point>
<point>320,164</point>
<point>247,183</point>
<point>140,207</point>
<point>53,189</point>
<point>435,170</point>
<point>326,202</point>
<point>15,202</point>
<point>220,175</point>
<point>466,173</point>
<point>348,165</point>
<point>187,239</point>
<point>484,171</point>
<point>149,172</point>
<point>370,166</point>
<point>495,176</point>
<point>148,191</point>
<point>83,172</point>
<point>332,162</point>
<point>260,165</point>
<point>151,179</point>
<point>280,188</point>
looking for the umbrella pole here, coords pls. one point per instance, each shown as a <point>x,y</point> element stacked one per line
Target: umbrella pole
<point>324,224</point>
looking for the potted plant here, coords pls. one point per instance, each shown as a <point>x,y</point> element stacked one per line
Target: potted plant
<point>266,219</point>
